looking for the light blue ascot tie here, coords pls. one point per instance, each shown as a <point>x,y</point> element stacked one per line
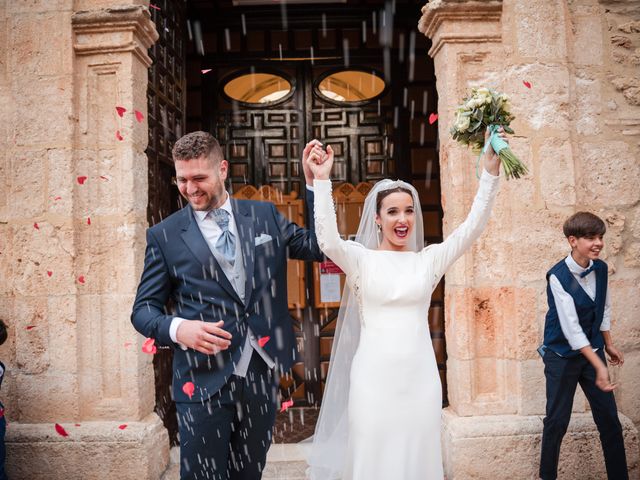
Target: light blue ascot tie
<point>226,244</point>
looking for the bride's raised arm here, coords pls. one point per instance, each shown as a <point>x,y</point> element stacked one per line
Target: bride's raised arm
<point>444,254</point>
<point>344,254</point>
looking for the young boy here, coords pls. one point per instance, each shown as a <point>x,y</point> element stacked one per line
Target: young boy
<point>576,332</point>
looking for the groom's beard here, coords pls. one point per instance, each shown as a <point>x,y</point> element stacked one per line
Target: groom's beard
<point>204,201</point>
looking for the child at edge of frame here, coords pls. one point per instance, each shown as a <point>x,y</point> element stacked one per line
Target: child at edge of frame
<point>3,421</point>
<point>576,337</point>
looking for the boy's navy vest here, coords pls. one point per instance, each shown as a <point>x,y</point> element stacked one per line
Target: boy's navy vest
<point>590,312</point>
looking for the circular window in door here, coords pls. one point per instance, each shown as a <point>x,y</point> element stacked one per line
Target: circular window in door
<point>351,86</point>
<point>258,88</point>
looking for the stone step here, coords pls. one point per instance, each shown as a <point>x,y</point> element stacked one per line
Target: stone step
<point>284,462</point>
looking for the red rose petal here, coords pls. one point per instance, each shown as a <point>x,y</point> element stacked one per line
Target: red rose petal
<point>262,341</point>
<point>81,179</point>
<point>433,118</point>
<point>188,388</point>
<point>49,272</point>
<point>118,136</point>
<point>29,327</point>
<point>286,405</point>
<point>61,431</point>
<point>149,347</point>
<point>139,115</point>
<point>151,5</point>
<point>81,279</point>
<point>88,220</point>
<point>57,198</point>
<point>205,71</point>
<point>1,412</point>
<point>127,344</point>
<point>104,178</point>
<point>36,226</point>
<point>123,426</point>
<point>77,424</point>
<point>526,84</point>
<point>121,111</point>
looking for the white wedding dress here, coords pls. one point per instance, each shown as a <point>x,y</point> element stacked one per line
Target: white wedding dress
<point>395,397</point>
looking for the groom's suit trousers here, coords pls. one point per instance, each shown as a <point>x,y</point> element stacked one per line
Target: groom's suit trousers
<point>240,416</point>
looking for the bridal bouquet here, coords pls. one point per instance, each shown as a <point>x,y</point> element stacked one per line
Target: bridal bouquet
<point>484,109</point>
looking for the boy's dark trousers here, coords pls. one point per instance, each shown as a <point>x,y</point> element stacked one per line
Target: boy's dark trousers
<point>563,375</point>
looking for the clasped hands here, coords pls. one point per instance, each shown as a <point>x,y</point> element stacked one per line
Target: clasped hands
<point>316,162</point>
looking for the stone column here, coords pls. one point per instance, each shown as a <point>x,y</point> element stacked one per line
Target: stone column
<point>78,186</point>
<point>495,295</point>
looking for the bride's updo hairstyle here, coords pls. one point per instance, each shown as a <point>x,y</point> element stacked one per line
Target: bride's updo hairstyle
<point>384,193</point>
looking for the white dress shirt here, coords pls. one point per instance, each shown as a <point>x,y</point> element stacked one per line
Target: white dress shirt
<point>211,232</point>
<point>566,308</point>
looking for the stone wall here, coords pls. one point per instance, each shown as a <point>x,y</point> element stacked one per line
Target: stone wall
<point>577,129</point>
<point>72,218</point>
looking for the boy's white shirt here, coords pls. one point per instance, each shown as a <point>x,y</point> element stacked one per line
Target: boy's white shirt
<point>566,308</point>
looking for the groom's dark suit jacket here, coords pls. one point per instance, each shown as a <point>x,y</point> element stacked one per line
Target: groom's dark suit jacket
<point>179,266</point>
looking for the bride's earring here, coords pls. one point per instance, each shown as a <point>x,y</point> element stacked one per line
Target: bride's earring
<point>378,232</point>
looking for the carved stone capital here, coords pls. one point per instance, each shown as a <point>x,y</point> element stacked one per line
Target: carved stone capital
<point>119,29</point>
<point>461,21</point>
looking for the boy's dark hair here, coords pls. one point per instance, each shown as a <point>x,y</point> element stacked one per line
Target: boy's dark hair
<point>196,144</point>
<point>3,332</point>
<point>583,224</point>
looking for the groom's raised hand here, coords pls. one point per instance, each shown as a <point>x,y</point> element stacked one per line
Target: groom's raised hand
<point>320,162</point>
<point>308,174</point>
<point>205,337</point>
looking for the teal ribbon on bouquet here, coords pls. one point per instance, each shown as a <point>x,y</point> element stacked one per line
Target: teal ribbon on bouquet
<point>513,168</point>
<point>496,143</point>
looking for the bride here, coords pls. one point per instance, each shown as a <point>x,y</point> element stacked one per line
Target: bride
<point>381,411</point>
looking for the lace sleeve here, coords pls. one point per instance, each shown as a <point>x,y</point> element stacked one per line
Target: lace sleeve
<point>345,254</point>
<point>443,255</point>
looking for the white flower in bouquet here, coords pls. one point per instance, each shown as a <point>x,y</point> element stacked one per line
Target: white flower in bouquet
<point>486,108</point>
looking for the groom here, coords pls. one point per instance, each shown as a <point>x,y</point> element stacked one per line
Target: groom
<point>221,262</point>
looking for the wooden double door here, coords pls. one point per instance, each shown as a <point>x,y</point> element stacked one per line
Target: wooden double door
<point>387,136</point>
<point>371,141</point>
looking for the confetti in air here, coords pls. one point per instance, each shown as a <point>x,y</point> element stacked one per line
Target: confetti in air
<point>526,84</point>
<point>61,431</point>
<point>121,111</point>
<point>81,179</point>
<point>263,341</point>
<point>149,347</point>
<point>433,118</point>
<point>188,388</point>
<point>286,405</point>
